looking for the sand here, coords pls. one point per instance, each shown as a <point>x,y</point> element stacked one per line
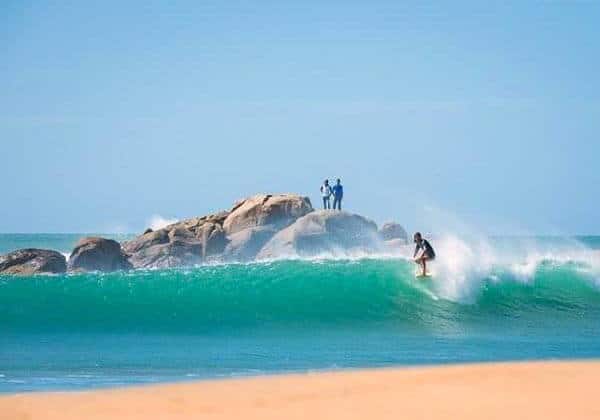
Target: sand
<point>536,390</point>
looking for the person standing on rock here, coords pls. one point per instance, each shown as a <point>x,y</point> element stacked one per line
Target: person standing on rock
<point>326,194</point>
<point>338,194</point>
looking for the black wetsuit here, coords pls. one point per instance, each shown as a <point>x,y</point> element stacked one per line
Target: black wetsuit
<point>427,249</point>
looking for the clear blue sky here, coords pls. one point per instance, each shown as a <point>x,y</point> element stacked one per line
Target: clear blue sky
<point>482,112</point>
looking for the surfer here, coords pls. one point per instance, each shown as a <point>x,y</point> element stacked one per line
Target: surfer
<point>423,252</point>
<point>326,194</point>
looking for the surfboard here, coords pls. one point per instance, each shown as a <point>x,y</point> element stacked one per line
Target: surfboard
<point>423,276</point>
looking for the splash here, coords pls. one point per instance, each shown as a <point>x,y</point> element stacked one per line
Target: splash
<point>464,266</point>
<point>158,222</point>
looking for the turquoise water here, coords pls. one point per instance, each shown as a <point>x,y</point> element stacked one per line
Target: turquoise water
<point>505,299</point>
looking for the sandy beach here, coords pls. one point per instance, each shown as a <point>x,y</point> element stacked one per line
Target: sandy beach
<point>533,390</point>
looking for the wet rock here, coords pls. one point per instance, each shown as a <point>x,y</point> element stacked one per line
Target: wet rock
<point>32,261</point>
<point>324,232</point>
<point>98,254</point>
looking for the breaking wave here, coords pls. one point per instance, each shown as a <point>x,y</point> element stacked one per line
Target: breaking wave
<point>473,284</point>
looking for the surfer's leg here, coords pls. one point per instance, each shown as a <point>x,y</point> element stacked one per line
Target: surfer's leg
<point>424,264</point>
<point>420,262</point>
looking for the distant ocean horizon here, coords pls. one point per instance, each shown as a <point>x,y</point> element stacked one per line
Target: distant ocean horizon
<point>490,299</point>
<point>65,242</point>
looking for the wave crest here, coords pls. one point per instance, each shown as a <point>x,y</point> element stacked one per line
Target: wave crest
<point>472,285</point>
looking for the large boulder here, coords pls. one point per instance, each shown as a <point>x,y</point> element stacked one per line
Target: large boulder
<point>98,254</point>
<point>277,211</point>
<point>392,231</point>
<point>247,243</point>
<point>184,243</point>
<point>32,261</point>
<point>254,221</point>
<point>209,231</point>
<point>324,232</point>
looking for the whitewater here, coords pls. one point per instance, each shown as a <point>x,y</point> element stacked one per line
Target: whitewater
<point>489,299</point>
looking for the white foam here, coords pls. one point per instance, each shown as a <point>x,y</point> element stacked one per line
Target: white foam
<point>463,265</point>
<point>158,222</point>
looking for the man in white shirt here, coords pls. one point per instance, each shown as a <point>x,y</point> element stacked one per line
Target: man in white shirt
<point>326,194</point>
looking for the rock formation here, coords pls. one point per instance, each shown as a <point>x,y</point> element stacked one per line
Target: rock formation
<point>32,261</point>
<point>264,226</point>
<point>276,211</point>
<point>324,232</point>
<point>237,234</point>
<point>255,220</point>
<point>184,243</point>
<point>98,254</point>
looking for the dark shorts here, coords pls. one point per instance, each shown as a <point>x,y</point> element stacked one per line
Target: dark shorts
<point>428,256</point>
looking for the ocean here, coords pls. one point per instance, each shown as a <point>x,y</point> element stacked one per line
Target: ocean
<point>489,299</point>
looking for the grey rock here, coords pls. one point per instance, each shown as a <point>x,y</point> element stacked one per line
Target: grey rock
<point>277,211</point>
<point>185,243</point>
<point>254,221</point>
<point>324,232</point>
<point>234,235</point>
<point>173,246</point>
<point>32,261</point>
<point>246,244</point>
<point>209,231</point>
<point>98,254</point>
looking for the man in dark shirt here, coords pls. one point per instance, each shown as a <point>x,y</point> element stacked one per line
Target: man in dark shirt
<point>338,194</point>
<point>423,252</point>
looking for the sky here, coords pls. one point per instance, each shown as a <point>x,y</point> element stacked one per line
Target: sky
<point>484,115</point>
